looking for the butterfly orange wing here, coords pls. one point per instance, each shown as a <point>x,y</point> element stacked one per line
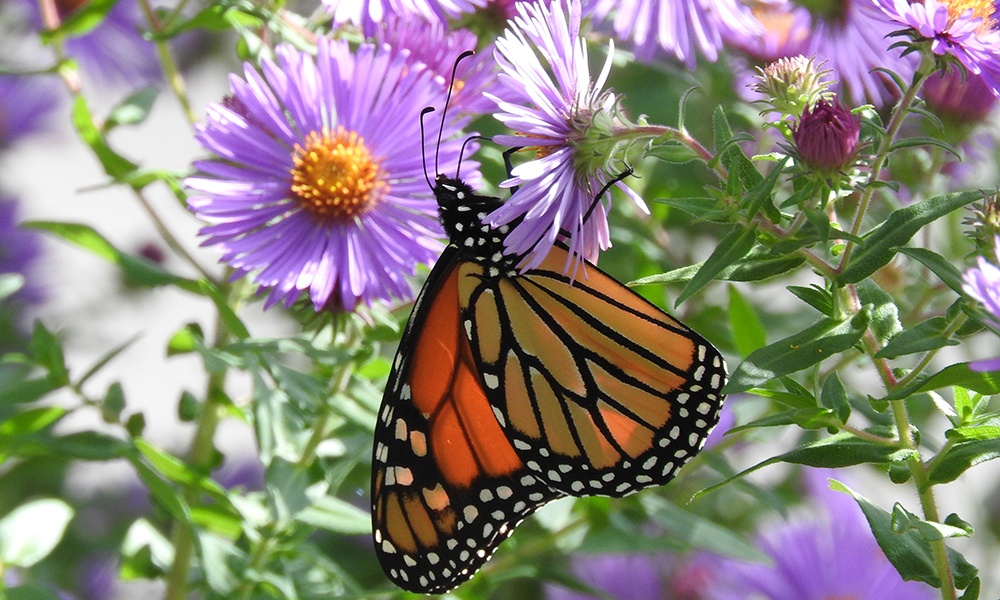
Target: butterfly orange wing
<point>447,486</point>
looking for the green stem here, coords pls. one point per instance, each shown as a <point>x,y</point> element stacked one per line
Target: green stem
<point>341,379</point>
<point>898,116</point>
<point>171,72</point>
<point>200,456</point>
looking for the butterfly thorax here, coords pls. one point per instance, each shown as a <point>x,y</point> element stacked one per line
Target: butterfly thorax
<point>465,218</point>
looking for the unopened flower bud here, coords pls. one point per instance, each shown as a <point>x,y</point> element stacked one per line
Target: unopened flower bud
<point>827,135</point>
<point>792,84</point>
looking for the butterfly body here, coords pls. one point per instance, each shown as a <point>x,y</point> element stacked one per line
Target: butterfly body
<point>510,390</point>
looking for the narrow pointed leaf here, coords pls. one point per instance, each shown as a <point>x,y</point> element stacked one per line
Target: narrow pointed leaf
<point>820,341</point>
<point>732,248</point>
<point>881,243</point>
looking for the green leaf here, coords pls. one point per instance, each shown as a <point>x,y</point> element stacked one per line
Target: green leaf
<point>903,521</point>
<point>228,317</point>
<point>742,174</point>
<point>748,332</point>
<point>135,270</point>
<point>731,248</point>
<point>907,551</point>
<point>959,458</point>
<point>938,265</point>
<point>134,109</point>
<point>702,209</point>
<point>46,349</point>
<point>222,562</point>
<point>917,141</point>
<point>984,382</point>
<point>29,421</point>
<point>176,470</point>
<point>820,341</point>
<point>31,531</point>
<point>81,21</point>
<point>759,264</point>
<point>839,450</point>
<point>815,297</point>
<point>673,152</point>
<point>760,196</point>
<point>333,514</point>
<point>86,445</point>
<point>31,592</point>
<point>287,489</point>
<point>881,243</point>
<point>146,553</point>
<point>115,165</point>
<point>698,532</point>
<point>114,402</point>
<point>27,390</point>
<point>834,397</point>
<point>922,337</point>
<point>186,340</point>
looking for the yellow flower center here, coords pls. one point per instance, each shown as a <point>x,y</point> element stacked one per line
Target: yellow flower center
<point>335,177</point>
<point>983,9</point>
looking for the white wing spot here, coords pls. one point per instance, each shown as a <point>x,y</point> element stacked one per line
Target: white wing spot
<point>491,381</point>
<point>470,513</point>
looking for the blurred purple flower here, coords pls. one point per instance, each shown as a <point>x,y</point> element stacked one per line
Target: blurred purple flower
<point>19,251</point>
<point>983,285</point>
<point>677,27</point>
<point>25,105</point>
<point>965,100</point>
<point>115,51</point>
<point>617,577</point>
<point>97,577</point>
<point>319,185</point>
<point>553,108</point>
<point>438,48</point>
<point>965,30</point>
<point>847,38</point>
<point>831,554</point>
<point>368,14</point>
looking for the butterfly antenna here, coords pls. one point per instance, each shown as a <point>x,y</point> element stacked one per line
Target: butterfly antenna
<point>447,101</point>
<point>628,171</point>
<point>461,153</point>
<point>423,146</point>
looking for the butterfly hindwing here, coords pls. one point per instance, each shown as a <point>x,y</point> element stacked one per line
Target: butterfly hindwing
<point>447,487</point>
<point>599,391</point>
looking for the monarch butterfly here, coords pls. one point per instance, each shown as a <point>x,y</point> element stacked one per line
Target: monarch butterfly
<point>511,389</point>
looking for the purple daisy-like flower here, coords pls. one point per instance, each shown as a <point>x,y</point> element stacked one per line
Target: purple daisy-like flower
<point>677,27</point>
<point>438,48</point>
<point>966,30</point>
<point>319,186</point>
<point>982,284</point>
<point>847,38</point>
<point>554,107</point>
<point>368,14</point>
<point>113,52</point>
<point>618,577</point>
<point>25,104</point>
<point>831,554</point>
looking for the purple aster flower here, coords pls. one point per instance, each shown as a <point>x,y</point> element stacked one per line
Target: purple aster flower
<point>983,285</point>
<point>966,100</point>
<point>319,185</point>
<point>25,104</point>
<point>831,554</point>
<point>847,38</point>
<point>827,135</point>
<point>438,48</point>
<point>368,14</point>
<point>677,27</point>
<point>114,51</point>
<point>964,30</point>
<point>557,110</point>
<point>617,577</point>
